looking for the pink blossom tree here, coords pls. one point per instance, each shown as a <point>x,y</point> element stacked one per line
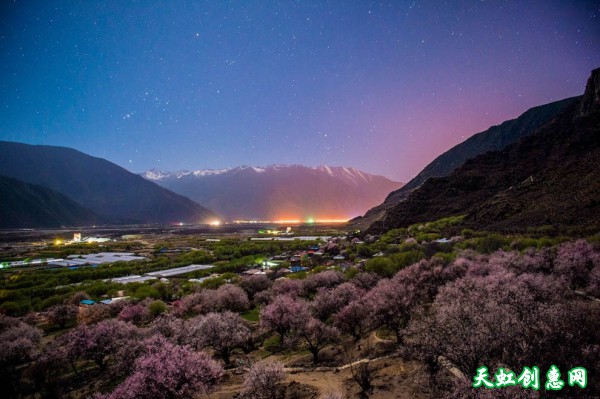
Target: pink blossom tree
<point>326,279</point>
<point>365,280</point>
<point>330,300</point>
<point>255,284</point>
<point>222,332</point>
<point>231,297</point>
<point>107,339</point>
<point>483,320</point>
<point>197,303</point>
<point>392,302</point>
<point>574,262</point>
<point>62,314</point>
<point>593,287</point>
<point>135,313</point>
<point>317,335</point>
<point>19,343</point>
<point>170,327</point>
<point>169,371</point>
<point>262,379</point>
<point>284,315</point>
<point>353,319</point>
<point>263,298</point>
<point>286,286</point>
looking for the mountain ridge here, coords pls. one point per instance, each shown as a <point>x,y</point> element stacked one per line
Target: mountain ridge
<point>279,191</point>
<point>24,205</point>
<point>548,178</point>
<point>110,191</point>
<point>494,138</point>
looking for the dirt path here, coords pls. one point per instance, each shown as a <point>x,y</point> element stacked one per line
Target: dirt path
<point>322,381</point>
<point>336,368</point>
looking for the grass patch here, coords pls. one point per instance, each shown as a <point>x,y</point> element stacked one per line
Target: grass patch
<point>251,315</point>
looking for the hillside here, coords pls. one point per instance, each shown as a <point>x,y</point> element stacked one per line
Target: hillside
<point>548,178</point>
<point>25,205</point>
<point>280,191</point>
<point>493,139</point>
<point>111,192</point>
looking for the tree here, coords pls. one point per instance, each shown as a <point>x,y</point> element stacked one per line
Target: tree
<point>221,332</point>
<point>93,314</point>
<point>136,314</point>
<point>170,327</point>
<point>193,304</point>
<point>62,314</point>
<point>593,287</point>
<point>169,371</point>
<point>48,369</point>
<point>157,308</point>
<point>362,375</point>
<point>483,320</point>
<point>329,301</point>
<point>284,315</point>
<point>326,279</point>
<point>231,297</point>
<point>353,319</point>
<point>365,280</point>
<point>77,297</point>
<point>255,284</point>
<point>98,343</point>
<point>286,286</point>
<point>262,379</point>
<point>317,335</point>
<point>392,302</point>
<point>19,343</point>
<point>574,262</point>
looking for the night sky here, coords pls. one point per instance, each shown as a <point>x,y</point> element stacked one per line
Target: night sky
<point>381,86</point>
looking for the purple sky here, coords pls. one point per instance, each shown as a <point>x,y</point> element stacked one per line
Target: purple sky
<point>381,86</point>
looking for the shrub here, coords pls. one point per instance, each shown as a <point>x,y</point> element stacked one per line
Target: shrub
<point>262,379</point>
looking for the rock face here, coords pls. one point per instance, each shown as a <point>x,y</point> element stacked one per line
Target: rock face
<point>25,205</point>
<point>493,139</point>
<point>280,191</point>
<point>109,191</point>
<point>547,178</point>
<point>590,101</point>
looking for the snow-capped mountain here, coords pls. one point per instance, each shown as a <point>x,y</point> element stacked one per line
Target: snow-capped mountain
<point>279,191</point>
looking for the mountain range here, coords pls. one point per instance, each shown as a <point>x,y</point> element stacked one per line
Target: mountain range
<point>113,194</point>
<point>493,139</point>
<point>279,192</point>
<point>549,177</point>
<point>29,205</point>
<point>537,170</point>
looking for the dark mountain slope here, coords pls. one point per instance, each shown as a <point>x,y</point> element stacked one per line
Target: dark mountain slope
<point>29,205</point>
<point>493,139</point>
<point>548,178</point>
<point>108,190</point>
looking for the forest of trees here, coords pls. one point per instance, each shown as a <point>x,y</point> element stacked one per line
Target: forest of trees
<point>504,309</point>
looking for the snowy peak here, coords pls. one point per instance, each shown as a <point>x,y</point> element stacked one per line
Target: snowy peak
<point>157,175</point>
<point>274,192</point>
<point>210,172</point>
<point>348,174</point>
<point>154,174</point>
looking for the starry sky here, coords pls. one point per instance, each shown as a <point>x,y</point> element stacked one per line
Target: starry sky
<point>381,86</point>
